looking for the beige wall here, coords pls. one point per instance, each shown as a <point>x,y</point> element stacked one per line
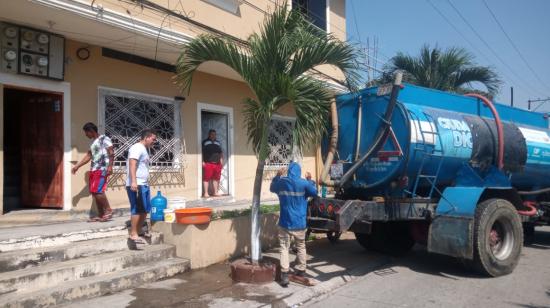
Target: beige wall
<point>85,78</point>
<point>217,241</point>
<point>241,24</point>
<point>337,19</point>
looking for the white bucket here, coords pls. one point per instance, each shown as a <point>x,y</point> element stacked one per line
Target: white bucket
<point>169,216</point>
<point>176,203</point>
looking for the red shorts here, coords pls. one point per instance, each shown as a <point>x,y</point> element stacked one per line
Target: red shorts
<point>211,171</point>
<point>98,181</point>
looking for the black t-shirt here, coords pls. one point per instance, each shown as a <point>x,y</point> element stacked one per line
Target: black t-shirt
<point>211,151</point>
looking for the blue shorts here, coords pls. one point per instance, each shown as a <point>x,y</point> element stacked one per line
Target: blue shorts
<point>140,200</point>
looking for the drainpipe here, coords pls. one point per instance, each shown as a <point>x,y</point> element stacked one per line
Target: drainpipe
<point>359,120</point>
<point>382,134</point>
<point>325,178</point>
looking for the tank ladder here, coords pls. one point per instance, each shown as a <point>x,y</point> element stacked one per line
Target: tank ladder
<point>429,152</point>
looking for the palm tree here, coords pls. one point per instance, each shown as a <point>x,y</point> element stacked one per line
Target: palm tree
<point>276,63</point>
<point>450,70</point>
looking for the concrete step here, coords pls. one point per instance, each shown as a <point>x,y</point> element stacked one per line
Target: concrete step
<point>21,259</point>
<point>33,279</point>
<point>59,234</point>
<point>96,285</point>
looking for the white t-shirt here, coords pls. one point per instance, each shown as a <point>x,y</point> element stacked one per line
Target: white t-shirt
<point>139,153</point>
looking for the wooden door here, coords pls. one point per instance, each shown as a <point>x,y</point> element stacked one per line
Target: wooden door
<point>41,133</point>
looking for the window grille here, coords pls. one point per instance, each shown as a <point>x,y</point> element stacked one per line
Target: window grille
<point>281,148</point>
<point>125,115</point>
<point>314,10</point>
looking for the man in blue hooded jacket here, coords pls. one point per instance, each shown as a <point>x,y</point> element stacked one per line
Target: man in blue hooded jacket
<point>293,192</point>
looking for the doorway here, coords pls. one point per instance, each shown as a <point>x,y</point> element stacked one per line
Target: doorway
<point>33,149</point>
<point>220,119</point>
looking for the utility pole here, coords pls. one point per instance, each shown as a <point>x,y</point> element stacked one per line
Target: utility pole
<point>542,101</point>
<point>512,96</point>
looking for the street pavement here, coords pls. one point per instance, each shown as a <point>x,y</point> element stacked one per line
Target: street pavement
<point>421,279</point>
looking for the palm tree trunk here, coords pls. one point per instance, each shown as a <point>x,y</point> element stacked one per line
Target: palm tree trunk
<point>255,243</point>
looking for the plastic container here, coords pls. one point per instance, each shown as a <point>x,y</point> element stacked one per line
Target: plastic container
<point>158,205</point>
<point>193,216</point>
<point>169,216</point>
<point>176,203</point>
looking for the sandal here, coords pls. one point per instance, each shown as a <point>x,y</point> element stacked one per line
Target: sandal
<point>138,240</point>
<point>94,219</point>
<point>108,215</point>
<point>146,234</point>
<point>104,219</point>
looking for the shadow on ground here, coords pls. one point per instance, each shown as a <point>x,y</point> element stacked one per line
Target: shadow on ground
<point>212,286</point>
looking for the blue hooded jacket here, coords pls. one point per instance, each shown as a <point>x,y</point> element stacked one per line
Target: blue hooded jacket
<point>293,192</point>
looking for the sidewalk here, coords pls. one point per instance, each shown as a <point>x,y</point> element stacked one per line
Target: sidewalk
<point>36,217</point>
<point>332,265</point>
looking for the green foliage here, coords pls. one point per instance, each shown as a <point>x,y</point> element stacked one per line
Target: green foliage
<point>264,209</point>
<point>452,70</point>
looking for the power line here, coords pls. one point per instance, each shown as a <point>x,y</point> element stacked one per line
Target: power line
<point>513,44</point>
<point>475,46</point>
<point>484,41</point>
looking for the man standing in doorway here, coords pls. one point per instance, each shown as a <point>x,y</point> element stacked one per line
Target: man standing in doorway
<point>212,163</point>
<point>293,192</point>
<point>101,154</point>
<point>137,182</point>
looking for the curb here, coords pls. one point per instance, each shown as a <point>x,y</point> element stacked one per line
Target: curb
<point>309,293</point>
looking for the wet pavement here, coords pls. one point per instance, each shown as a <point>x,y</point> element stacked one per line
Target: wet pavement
<point>212,286</point>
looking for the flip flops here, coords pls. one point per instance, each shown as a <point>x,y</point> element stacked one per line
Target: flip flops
<point>137,240</point>
<point>94,219</point>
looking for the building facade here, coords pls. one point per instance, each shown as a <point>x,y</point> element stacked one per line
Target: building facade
<point>68,62</point>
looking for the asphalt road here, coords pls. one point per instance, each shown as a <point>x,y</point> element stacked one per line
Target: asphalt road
<point>421,279</point>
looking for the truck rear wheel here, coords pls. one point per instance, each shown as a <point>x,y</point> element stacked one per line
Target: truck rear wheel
<point>393,238</point>
<point>498,237</point>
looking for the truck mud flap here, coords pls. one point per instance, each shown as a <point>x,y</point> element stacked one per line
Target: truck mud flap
<point>452,236</point>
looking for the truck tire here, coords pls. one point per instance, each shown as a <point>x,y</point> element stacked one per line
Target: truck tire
<point>393,238</point>
<point>498,237</point>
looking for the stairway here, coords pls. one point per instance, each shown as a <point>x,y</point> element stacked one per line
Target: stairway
<point>51,269</point>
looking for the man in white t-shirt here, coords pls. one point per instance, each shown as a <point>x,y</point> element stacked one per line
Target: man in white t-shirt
<point>137,176</point>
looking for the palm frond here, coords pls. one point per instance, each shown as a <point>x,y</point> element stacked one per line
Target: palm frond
<point>447,70</point>
<point>206,48</point>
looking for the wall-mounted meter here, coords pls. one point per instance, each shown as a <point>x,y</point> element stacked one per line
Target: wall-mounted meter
<point>32,52</point>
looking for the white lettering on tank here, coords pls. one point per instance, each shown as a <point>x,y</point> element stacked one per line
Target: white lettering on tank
<point>460,131</point>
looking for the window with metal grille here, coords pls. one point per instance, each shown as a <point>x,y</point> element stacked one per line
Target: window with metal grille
<point>281,148</point>
<point>126,114</point>
<point>314,10</point>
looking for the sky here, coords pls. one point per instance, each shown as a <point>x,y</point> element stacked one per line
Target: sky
<point>406,25</point>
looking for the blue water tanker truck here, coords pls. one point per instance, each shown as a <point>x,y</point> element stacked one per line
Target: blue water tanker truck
<point>457,173</point>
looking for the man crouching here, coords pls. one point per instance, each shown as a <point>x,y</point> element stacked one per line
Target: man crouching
<point>293,192</point>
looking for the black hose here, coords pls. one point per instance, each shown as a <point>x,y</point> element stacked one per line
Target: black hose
<point>534,192</point>
<point>383,132</point>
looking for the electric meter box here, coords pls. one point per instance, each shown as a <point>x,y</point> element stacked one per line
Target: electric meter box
<point>31,52</point>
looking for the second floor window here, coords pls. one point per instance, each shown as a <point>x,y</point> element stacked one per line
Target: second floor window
<point>315,10</point>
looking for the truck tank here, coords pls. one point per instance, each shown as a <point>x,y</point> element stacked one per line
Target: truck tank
<point>433,135</point>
